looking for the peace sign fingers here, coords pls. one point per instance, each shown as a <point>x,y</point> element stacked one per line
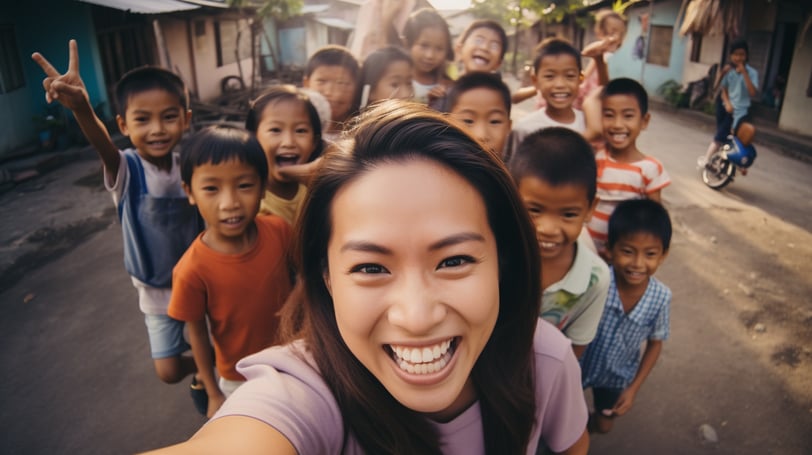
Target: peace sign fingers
<point>67,87</point>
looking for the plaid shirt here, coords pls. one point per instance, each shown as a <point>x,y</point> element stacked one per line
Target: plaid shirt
<point>613,357</point>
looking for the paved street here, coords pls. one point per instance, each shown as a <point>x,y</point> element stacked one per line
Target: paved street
<point>79,379</point>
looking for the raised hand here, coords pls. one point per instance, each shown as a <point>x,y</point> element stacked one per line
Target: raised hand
<point>599,47</point>
<point>66,88</point>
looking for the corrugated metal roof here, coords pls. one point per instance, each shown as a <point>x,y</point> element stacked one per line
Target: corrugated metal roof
<point>145,6</point>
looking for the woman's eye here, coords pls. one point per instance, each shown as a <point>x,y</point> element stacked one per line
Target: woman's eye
<point>455,261</point>
<point>368,269</point>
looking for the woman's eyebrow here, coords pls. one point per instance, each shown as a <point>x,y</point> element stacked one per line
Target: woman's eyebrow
<point>455,239</point>
<point>364,246</point>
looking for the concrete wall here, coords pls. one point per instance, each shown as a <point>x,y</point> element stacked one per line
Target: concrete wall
<point>208,73</point>
<point>797,104</point>
<point>625,64</point>
<point>62,21</point>
<point>710,53</point>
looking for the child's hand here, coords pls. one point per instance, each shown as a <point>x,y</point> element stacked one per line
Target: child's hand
<point>599,47</point>
<point>437,92</point>
<point>740,68</point>
<point>215,402</point>
<point>726,68</point>
<point>66,88</point>
<point>729,108</point>
<point>624,402</point>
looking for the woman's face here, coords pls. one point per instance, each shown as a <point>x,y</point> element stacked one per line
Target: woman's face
<point>413,272</point>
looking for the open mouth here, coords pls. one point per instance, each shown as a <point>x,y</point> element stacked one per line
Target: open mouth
<point>161,143</point>
<point>481,61</point>
<point>423,359</point>
<point>233,221</point>
<point>286,159</point>
<point>618,137</point>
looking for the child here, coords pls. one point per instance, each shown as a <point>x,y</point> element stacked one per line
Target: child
<point>419,319</point>
<point>428,41</point>
<point>288,128</point>
<point>637,310</point>
<point>557,74</point>
<point>624,172</point>
<point>236,273</point>
<point>733,103</point>
<point>610,30</point>
<point>333,72</point>
<point>156,219</point>
<point>386,73</point>
<point>480,49</point>
<point>555,172</point>
<point>482,102</point>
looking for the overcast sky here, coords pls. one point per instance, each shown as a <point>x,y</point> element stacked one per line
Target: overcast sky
<point>450,4</point>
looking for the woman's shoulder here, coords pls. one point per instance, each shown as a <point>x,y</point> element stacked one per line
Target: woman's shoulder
<point>550,346</point>
<point>285,390</point>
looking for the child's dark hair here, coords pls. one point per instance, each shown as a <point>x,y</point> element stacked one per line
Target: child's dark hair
<point>740,44</point>
<point>422,19</point>
<point>557,156</point>
<point>333,55</point>
<point>219,143</point>
<point>626,86</point>
<point>489,24</point>
<point>286,92</point>
<point>375,66</point>
<point>636,216</point>
<point>471,81</point>
<point>552,47</point>
<point>149,78</point>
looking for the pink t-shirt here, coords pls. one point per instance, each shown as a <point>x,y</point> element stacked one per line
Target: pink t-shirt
<point>289,394</point>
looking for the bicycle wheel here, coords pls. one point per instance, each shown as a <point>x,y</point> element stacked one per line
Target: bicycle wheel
<point>719,171</point>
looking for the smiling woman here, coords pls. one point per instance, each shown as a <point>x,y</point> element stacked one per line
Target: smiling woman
<point>417,326</point>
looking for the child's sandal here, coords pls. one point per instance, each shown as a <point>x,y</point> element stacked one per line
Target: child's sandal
<point>199,396</point>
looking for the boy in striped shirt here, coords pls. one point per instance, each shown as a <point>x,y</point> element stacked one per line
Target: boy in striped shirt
<point>624,172</point>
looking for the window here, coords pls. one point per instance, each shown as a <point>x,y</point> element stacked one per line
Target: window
<point>227,34</point>
<point>696,47</point>
<point>659,48</point>
<point>11,69</point>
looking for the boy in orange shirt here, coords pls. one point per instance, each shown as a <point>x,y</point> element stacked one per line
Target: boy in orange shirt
<point>236,272</point>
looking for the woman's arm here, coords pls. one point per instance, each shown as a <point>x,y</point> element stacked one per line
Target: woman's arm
<point>233,434</point>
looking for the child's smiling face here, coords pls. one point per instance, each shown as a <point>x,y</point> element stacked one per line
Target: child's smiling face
<point>557,79</point>
<point>622,122</point>
<point>286,136</point>
<point>228,195</point>
<point>154,121</point>
<point>483,112</point>
<point>481,51</point>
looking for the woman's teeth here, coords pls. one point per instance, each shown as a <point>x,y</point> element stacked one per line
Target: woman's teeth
<point>423,360</point>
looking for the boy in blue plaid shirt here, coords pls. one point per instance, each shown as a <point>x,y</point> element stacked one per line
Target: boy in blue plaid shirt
<point>637,310</point>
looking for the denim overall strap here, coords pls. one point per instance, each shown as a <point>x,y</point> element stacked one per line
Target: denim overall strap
<point>156,230</point>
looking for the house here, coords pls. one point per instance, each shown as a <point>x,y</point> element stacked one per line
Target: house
<point>779,35</point>
<point>201,40</point>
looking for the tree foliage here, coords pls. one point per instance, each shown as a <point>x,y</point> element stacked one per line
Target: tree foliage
<point>276,9</point>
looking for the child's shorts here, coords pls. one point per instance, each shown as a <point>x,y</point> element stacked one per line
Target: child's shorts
<point>165,336</point>
<point>605,398</point>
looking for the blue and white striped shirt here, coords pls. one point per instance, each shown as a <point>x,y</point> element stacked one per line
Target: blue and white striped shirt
<point>613,357</point>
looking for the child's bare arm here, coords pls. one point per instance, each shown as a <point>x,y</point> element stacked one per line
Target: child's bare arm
<point>201,351</point>
<point>301,173</point>
<point>655,196</point>
<point>650,356</point>
<point>751,88</point>
<point>522,93</point>
<point>69,90</point>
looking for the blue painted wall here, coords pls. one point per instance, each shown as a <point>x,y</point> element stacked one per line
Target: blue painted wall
<point>45,26</point>
<point>625,64</point>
